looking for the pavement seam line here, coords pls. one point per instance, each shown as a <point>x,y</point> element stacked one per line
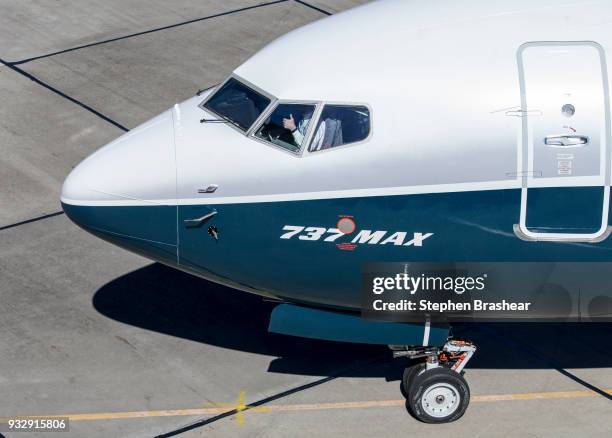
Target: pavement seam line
<point>308,5</point>
<point>264,401</point>
<point>145,32</point>
<point>29,221</point>
<point>64,95</point>
<point>520,345</point>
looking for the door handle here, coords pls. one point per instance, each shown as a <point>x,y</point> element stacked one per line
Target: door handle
<point>199,221</point>
<point>566,140</point>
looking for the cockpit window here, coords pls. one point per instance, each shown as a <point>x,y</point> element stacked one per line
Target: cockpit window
<point>238,103</point>
<point>287,126</point>
<point>339,125</point>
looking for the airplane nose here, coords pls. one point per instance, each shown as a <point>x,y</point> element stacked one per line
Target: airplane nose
<point>126,191</point>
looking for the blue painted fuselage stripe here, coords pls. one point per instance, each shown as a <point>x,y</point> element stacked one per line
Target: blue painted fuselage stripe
<point>249,254</point>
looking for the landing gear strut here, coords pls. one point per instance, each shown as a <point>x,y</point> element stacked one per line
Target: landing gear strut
<point>435,389</point>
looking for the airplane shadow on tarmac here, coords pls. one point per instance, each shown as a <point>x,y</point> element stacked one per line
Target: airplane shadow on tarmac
<point>168,301</point>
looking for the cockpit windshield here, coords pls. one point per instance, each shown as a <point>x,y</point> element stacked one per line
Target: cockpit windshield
<point>287,126</point>
<point>237,103</point>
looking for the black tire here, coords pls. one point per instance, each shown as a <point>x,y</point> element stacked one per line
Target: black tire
<point>438,395</point>
<point>409,373</point>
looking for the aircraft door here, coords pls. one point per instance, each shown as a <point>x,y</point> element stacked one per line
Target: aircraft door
<point>565,152</point>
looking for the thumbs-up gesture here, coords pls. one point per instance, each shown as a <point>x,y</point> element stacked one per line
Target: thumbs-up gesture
<point>289,123</point>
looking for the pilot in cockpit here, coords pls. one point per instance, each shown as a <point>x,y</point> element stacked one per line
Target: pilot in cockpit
<point>289,123</point>
<point>299,131</point>
<point>328,134</point>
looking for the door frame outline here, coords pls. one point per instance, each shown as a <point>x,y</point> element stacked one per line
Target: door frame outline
<point>521,229</point>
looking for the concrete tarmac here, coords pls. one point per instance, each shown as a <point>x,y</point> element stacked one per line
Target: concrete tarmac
<point>129,348</point>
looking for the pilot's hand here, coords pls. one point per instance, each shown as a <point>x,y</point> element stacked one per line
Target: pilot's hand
<point>289,123</point>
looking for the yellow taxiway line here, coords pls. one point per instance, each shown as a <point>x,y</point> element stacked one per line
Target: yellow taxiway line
<point>220,409</point>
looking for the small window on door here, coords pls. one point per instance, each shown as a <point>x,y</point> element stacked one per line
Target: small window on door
<point>341,125</point>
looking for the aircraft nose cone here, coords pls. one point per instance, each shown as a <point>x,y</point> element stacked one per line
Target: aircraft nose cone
<point>126,190</point>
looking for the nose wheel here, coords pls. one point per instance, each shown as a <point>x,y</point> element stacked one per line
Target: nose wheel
<point>435,390</point>
<point>438,395</point>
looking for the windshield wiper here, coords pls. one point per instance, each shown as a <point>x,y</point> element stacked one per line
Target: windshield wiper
<point>201,90</point>
<point>214,121</point>
<point>222,120</point>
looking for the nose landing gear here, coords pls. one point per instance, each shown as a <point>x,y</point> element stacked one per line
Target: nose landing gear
<point>435,390</point>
